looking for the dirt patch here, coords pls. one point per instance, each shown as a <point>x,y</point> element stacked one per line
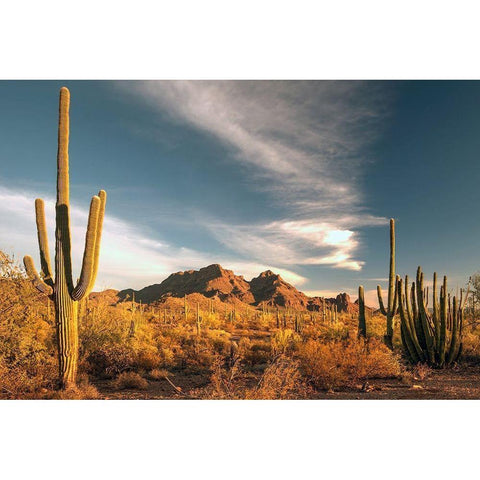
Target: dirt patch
<point>452,384</point>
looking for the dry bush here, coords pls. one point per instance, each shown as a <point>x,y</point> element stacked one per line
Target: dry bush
<point>471,343</point>
<point>255,353</point>
<point>337,364</point>
<point>281,379</point>
<point>108,349</point>
<point>130,380</point>
<point>158,374</point>
<point>421,371</point>
<point>284,341</point>
<point>223,381</point>
<point>181,348</point>
<point>84,390</point>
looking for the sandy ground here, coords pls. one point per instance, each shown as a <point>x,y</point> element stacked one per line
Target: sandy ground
<point>459,383</point>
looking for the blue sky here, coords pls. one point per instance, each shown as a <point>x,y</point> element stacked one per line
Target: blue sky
<point>298,177</point>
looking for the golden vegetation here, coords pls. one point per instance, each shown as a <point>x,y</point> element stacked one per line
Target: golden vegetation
<point>246,358</point>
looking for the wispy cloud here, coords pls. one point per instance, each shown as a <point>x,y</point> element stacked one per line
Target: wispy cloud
<point>129,258</point>
<point>303,143</point>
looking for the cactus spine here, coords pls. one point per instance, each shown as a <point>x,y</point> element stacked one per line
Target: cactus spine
<point>391,309</point>
<point>61,288</point>
<point>362,323</point>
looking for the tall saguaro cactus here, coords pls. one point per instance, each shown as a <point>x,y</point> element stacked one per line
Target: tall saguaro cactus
<point>391,309</point>
<point>60,288</point>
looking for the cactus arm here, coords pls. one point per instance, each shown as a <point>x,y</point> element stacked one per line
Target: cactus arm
<point>89,253</point>
<point>452,351</point>
<point>101,214</point>
<point>391,275</point>
<point>43,241</point>
<point>411,321</point>
<point>424,317</point>
<point>63,259</point>
<point>394,309</point>
<point>406,334</point>
<point>414,302</point>
<point>380,300</point>
<point>436,319</point>
<point>63,190</point>
<point>443,322</point>
<point>460,340</point>
<point>462,304</point>
<point>39,284</point>
<point>408,305</point>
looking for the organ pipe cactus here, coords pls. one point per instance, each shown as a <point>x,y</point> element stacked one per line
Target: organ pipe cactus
<point>362,324</point>
<point>60,288</point>
<point>433,337</point>
<point>391,309</point>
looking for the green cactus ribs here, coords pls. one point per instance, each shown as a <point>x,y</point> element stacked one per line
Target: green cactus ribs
<point>391,309</point>
<point>430,336</point>
<point>60,288</point>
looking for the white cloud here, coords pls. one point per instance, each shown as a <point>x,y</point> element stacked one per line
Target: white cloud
<point>128,257</point>
<point>301,142</point>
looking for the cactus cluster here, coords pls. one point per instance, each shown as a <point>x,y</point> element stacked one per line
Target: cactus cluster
<point>433,337</point>
<point>60,288</point>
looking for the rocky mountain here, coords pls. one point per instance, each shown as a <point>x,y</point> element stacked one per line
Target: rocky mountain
<point>222,285</point>
<point>270,289</point>
<point>211,281</point>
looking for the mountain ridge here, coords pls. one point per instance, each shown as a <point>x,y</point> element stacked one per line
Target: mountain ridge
<point>220,284</point>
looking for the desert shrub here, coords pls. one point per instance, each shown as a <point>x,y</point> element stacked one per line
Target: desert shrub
<point>471,343</point>
<point>27,336</point>
<point>281,379</point>
<point>255,353</point>
<point>157,374</point>
<point>334,332</point>
<point>107,348</point>
<point>223,380</point>
<point>344,363</point>
<point>130,380</point>
<point>110,360</point>
<point>284,341</point>
<point>84,390</point>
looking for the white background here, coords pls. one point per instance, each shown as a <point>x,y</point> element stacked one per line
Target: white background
<point>239,40</point>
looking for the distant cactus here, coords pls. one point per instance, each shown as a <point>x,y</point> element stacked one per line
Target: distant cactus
<point>391,309</point>
<point>434,338</point>
<point>362,323</point>
<point>198,320</point>
<point>61,289</point>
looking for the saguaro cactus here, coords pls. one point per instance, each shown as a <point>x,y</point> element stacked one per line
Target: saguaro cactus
<point>61,289</point>
<point>198,319</point>
<point>391,309</point>
<point>362,323</point>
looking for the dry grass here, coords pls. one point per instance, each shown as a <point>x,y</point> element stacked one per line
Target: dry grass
<point>130,380</point>
<point>248,359</point>
<point>345,363</point>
